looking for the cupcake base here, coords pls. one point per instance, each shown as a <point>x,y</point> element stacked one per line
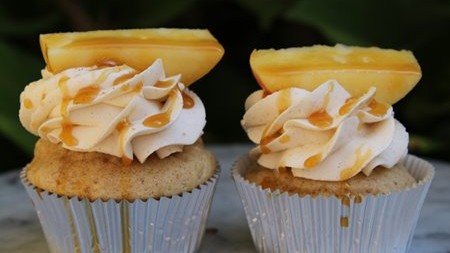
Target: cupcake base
<point>280,222</point>
<point>167,224</point>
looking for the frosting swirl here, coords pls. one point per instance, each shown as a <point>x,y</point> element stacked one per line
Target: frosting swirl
<point>114,110</point>
<point>325,134</point>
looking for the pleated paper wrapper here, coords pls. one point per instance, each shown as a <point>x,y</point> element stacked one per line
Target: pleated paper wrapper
<point>280,222</point>
<point>168,224</point>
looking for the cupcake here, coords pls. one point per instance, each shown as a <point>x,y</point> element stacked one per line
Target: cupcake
<point>330,172</point>
<point>120,165</point>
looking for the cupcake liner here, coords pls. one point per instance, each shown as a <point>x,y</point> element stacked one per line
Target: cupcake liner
<point>280,222</point>
<point>167,224</point>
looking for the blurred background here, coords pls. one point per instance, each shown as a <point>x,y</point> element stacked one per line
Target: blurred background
<point>240,26</point>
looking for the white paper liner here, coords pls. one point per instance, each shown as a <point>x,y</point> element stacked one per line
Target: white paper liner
<point>280,222</point>
<point>167,224</point>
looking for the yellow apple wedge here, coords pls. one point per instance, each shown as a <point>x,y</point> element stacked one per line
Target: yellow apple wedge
<point>191,52</point>
<point>393,73</point>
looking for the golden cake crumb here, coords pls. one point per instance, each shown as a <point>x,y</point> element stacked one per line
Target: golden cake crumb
<point>381,181</point>
<point>97,175</point>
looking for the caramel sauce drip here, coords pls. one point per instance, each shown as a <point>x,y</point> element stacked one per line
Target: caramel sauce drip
<point>284,100</point>
<point>157,120</point>
<point>358,199</point>
<point>124,78</point>
<point>125,87</point>
<point>126,161</point>
<point>161,119</point>
<point>122,128</point>
<point>312,161</point>
<point>266,139</point>
<point>378,109</point>
<point>284,170</point>
<point>344,222</point>
<point>86,95</point>
<point>320,119</point>
<point>163,84</point>
<point>345,201</point>
<point>138,87</point>
<point>188,101</point>
<point>283,103</point>
<point>285,138</point>
<point>349,103</point>
<point>66,135</point>
<point>27,103</point>
<point>125,223</point>
<point>361,158</point>
<point>65,96</point>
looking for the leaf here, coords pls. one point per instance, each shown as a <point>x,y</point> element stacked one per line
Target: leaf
<point>383,22</point>
<point>17,69</point>
<point>424,145</point>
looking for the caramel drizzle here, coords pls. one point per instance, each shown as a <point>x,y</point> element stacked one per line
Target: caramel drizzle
<point>283,103</point>
<point>162,119</point>
<point>188,101</point>
<point>163,84</point>
<point>86,95</point>
<point>321,118</point>
<point>349,103</point>
<point>122,128</point>
<point>285,138</point>
<point>66,135</point>
<point>124,78</point>
<point>312,161</point>
<point>361,158</point>
<point>266,139</point>
<point>344,222</point>
<point>27,103</point>
<point>378,109</point>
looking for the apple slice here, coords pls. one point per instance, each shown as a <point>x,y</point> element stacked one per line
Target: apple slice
<point>393,73</point>
<point>191,52</point>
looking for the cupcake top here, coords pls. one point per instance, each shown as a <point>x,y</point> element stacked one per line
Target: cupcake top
<point>105,105</point>
<point>323,131</point>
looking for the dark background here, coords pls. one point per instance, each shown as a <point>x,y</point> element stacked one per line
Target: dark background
<point>240,26</point>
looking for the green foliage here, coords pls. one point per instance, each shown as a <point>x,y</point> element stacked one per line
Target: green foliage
<point>241,25</point>
<point>20,70</point>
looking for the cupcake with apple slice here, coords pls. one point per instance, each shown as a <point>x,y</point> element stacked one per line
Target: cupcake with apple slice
<point>120,165</point>
<point>330,170</point>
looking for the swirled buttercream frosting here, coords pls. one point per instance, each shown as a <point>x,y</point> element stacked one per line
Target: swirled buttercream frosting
<point>325,134</point>
<point>114,110</point>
